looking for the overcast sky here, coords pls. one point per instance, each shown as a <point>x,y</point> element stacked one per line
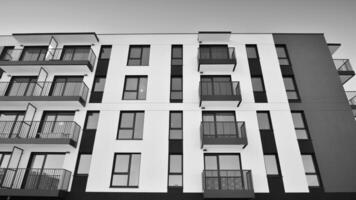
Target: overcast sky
<point>335,18</point>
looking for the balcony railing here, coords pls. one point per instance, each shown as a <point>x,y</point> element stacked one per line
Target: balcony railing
<point>222,56</point>
<point>39,130</point>
<point>44,89</point>
<point>219,91</point>
<point>52,54</point>
<point>227,184</point>
<point>32,180</point>
<point>343,65</point>
<point>227,132</point>
<point>217,59</point>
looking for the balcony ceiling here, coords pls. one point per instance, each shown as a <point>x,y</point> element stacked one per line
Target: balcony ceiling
<point>61,38</point>
<point>214,36</point>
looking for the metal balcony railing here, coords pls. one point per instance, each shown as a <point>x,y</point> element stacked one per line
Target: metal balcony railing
<point>343,64</point>
<point>34,179</point>
<point>227,180</point>
<point>218,55</point>
<point>52,54</point>
<point>351,96</point>
<point>39,130</point>
<point>50,89</point>
<point>219,90</point>
<point>226,129</point>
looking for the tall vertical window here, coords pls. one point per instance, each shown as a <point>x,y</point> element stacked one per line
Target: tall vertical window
<point>91,120</point>
<point>105,52</point>
<point>84,164</point>
<point>126,170</point>
<point>175,174</point>
<point>176,125</point>
<point>257,84</point>
<point>282,55</point>
<point>310,170</point>
<point>99,84</point>
<point>252,52</point>
<point>135,88</point>
<point>300,125</point>
<point>177,55</point>
<point>272,165</point>
<point>291,89</point>
<point>139,55</point>
<point>130,125</point>
<point>176,89</point>
<point>264,120</point>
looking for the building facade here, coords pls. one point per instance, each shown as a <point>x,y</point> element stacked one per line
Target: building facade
<point>209,115</point>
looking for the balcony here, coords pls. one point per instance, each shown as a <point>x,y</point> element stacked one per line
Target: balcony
<point>216,59</point>
<point>33,182</point>
<point>223,133</point>
<point>344,69</point>
<point>351,96</point>
<point>54,60</point>
<point>70,93</point>
<point>219,93</point>
<point>227,184</point>
<point>37,132</point>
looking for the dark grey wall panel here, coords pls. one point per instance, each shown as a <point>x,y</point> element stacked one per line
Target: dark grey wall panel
<point>328,114</point>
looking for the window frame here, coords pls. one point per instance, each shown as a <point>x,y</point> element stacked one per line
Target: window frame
<point>94,84</point>
<point>176,100</point>
<point>139,77</point>
<point>174,59</point>
<point>295,89</point>
<point>171,128</point>
<point>78,164</point>
<point>262,83</point>
<point>140,58</point>
<point>175,173</point>
<point>87,119</point>
<point>306,128</point>
<point>102,51</point>
<point>254,46</point>
<point>133,125</point>
<point>277,164</point>
<point>268,117</point>
<point>286,52</point>
<point>316,173</point>
<point>124,173</point>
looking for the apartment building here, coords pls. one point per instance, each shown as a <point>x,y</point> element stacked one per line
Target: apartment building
<point>207,115</point>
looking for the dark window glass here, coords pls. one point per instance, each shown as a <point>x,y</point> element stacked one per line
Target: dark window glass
<point>214,51</point>
<point>135,88</point>
<point>310,170</point>
<point>131,125</point>
<point>21,86</point>
<point>264,120</point>
<point>177,55</point>
<point>6,54</point>
<point>138,55</point>
<point>282,55</point>
<point>76,53</point>
<point>34,53</point>
<point>251,52</point>
<point>84,164</point>
<point>300,125</point>
<point>176,125</point>
<point>175,174</point>
<point>271,163</point>
<point>99,84</point>
<point>92,120</point>
<point>176,89</point>
<point>126,170</point>
<point>291,89</point>
<point>216,85</point>
<point>257,84</point>
<point>67,86</point>
<point>105,52</point>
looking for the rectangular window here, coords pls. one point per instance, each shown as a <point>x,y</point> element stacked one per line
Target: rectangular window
<point>252,52</point>
<point>91,122</point>
<point>75,53</point>
<point>34,53</point>
<point>6,53</point>
<point>282,55</point>
<point>126,170</point>
<point>105,52</point>
<point>175,174</point>
<point>213,52</point>
<point>272,165</point>
<point>300,125</point>
<point>21,86</point>
<point>264,120</point>
<point>84,164</point>
<point>130,125</point>
<point>257,84</point>
<point>176,89</point>
<point>310,170</point>
<point>177,55</point>
<point>135,88</point>
<point>139,55</point>
<point>99,84</point>
<point>291,88</point>
<point>176,125</point>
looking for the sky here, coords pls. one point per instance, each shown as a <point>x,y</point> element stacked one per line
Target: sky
<point>335,18</point>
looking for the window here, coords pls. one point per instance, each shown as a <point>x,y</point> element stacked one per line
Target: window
<point>300,125</point>
<point>177,55</point>
<point>126,170</point>
<point>175,174</point>
<point>257,84</point>
<point>99,84</point>
<point>4,159</point>
<point>271,163</point>
<point>216,85</point>
<point>84,163</point>
<point>213,52</point>
<point>219,124</point>
<point>264,120</point>
<point>176,125</point>
<point>67,86</point>
<point>21,86</point>
<point>135,88</point>
<point>176,89</point>
<point>310,170</point>
<point>252,52</point>
<point>130,125</point>
<point>6,53</point>
<point>105,52</point>
<point>75,53</point>
<point>291,88</point>
<point>138,55</point>
<point>282,55</point>
<point>92,120</point>
<point>34,53</point>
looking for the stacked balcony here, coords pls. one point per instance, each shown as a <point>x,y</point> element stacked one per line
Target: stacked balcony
<point>219,93</point>
<point>344,69</point>
<point>219,58</point>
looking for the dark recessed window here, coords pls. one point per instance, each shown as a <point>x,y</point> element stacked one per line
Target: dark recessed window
<point>264,120</point>
<point>75,53</point>
<point>135,88</point>
<point>310,170</point>
<point>257,84</point>
<point>282,55</point>
<point>138,55</point>
<point>300,125</point>
<point>34,53</point>
<point>252,52</point>
<point>175,174</point>
<point>99,84</point>
<point>271,163</point>
<point>176,125</point>
<point>105,52</point>
<point>84,164</point>
<point>92,120</point>
<point>6,54</point>
<point>126,170</point>
<point>130,125</point>
<point>291,88</point>
<point>213,52</point>
<point>176,89</point>
<point>177,55</point>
